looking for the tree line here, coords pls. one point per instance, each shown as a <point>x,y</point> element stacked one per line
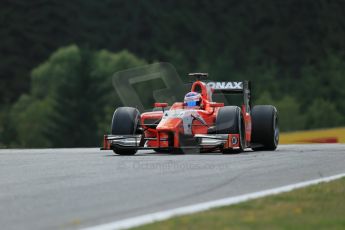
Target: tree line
<point>72,98</point>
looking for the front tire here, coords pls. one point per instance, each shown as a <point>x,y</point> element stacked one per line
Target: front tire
<point>265,129</point>
<point>125,122</point>
<point>230,121</point>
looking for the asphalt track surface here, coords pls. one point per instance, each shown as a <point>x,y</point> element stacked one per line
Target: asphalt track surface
<point>76,188</point>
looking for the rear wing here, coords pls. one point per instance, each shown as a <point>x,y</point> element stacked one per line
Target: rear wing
<point>233,87</point>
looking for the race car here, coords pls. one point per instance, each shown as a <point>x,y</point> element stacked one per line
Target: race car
<point>197,123</point>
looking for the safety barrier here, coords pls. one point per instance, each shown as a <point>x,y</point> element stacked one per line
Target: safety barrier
<point>332,135</point>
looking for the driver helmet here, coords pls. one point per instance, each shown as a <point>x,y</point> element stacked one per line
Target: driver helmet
<point>192,99</point>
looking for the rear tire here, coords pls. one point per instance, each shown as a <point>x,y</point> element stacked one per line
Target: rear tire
<point>230,120</point>
<point>265,130</point>
<point>125,122</point>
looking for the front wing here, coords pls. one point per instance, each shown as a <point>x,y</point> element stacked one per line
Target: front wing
<point>203,141</point>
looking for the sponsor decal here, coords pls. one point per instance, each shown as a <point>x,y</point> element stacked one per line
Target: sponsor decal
<point>234,140</point>
<point>225,85</point>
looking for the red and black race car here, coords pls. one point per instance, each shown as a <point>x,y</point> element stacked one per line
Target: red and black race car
<point>198,123</point>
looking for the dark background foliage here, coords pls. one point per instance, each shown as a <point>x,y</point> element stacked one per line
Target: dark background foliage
<point>292,50</point>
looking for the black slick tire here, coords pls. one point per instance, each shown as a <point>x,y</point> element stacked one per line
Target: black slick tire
<point>125,122</point>
<point>229,120</point>
<point>265,129</point>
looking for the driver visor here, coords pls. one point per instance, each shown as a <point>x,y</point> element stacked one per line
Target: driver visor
<point>191,103</point>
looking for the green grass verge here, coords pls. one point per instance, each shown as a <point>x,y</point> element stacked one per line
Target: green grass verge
<point>319,206</point>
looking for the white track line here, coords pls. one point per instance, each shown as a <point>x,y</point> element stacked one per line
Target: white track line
<point>163,215</point>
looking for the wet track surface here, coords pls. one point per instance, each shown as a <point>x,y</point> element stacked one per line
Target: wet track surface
<point>75,188</point>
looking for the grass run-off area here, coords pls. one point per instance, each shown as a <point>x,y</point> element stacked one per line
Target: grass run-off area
<point>319,206</point>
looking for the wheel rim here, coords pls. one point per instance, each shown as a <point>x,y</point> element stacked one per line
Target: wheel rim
<point>276,131</point>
